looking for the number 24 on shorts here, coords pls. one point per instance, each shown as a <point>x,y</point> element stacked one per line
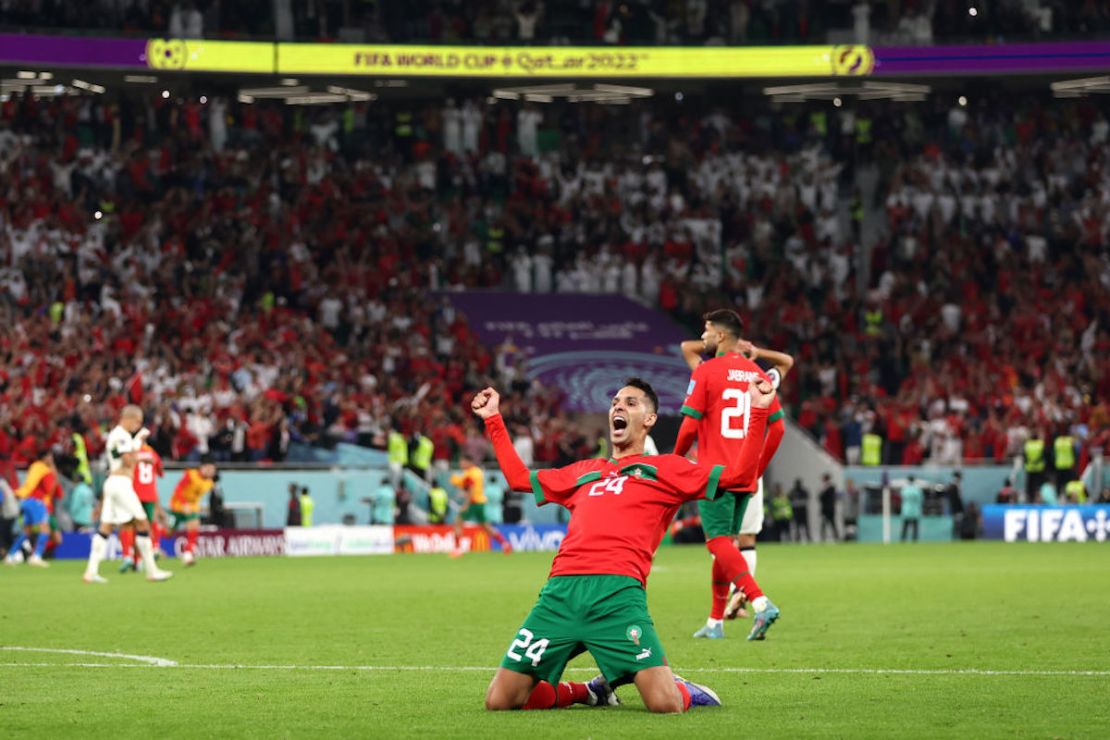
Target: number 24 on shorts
<point>532,649</point>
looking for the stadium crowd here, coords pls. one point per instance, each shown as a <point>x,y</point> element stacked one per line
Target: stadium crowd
<point>979,320</point>
<point>573,21</point>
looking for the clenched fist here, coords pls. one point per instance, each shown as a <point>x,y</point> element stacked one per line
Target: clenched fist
<point>762,393</point>
<point>486,403</point>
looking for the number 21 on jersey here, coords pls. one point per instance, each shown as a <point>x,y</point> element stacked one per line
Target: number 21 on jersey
<point>735,415</point>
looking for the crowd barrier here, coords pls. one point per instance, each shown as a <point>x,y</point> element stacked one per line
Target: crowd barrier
<point>331,540</point>
<point>1021,523</point>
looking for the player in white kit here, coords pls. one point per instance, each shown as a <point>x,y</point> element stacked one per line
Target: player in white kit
<point>121,504</point>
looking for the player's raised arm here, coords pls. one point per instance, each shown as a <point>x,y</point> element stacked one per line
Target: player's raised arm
<point>692,350</point>
<point>486,405</point>
<point>548,486</point>
<point>744,477</point>
<point>781,362</point>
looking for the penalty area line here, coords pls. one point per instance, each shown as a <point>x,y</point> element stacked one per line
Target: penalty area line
<point>147,660</point>
<point>486,669</point>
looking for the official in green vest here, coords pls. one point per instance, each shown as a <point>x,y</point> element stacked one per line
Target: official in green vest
<point>872,455</point>
<point>1034,467</point>
<point>397,449</point>
<point>1063,459</point>
<point>307,505</point>
<point>83,471</point>
<point>422,451</point>
<point>782,513</point>
<point>1076,492</point>
<point>437,504</point>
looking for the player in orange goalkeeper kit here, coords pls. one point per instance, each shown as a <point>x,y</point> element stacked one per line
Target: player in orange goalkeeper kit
<point>472,482</point>
<point>185,503</point>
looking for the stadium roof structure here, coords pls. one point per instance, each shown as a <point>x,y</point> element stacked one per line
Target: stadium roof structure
<point>553,62</point>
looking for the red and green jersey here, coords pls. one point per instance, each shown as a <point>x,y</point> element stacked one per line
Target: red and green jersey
<point>718,399</point>
<point>147,470</point>
<point>620,509</point>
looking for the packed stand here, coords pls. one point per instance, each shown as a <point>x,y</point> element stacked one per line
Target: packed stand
<point>977,324</point>
<point>253,285</point>
<point>318,326</point>
<point>981,323</point>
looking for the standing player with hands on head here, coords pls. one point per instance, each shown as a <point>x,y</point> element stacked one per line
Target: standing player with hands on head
<point>121,505</point>
<point>595,598</point>
<point>718,414</point>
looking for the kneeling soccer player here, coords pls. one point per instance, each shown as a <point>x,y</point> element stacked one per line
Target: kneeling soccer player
<point>595,598</point>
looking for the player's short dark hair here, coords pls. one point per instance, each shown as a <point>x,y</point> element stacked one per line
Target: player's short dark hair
<point>726,319</point>
<point>645,386</point>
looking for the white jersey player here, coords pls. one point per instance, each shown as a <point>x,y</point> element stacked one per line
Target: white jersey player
<point>121,504</point>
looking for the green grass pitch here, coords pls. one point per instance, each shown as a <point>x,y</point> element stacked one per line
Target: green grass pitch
<point>964,640</point>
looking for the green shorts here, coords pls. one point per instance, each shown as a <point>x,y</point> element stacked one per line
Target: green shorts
<point>148,507</point>
<point>475,513</point>
<point>722,517</point>
<point>180,519</point>
<point>606,615</point>
<point>53,520</point>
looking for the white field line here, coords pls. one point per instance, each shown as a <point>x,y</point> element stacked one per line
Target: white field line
<point>146,660</point>
<point>581,669</point>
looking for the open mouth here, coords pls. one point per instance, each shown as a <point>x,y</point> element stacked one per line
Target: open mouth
<point>619,423</point>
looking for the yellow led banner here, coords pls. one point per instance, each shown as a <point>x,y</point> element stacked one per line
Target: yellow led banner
<point>210,56</point>
<point>523,62</point>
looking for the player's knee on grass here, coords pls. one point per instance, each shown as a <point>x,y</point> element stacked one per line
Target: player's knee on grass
<point>658,691</point>
<point>508,690</point>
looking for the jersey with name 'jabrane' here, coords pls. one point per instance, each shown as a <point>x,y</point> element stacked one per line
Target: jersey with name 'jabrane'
<point>620,509</point>
<point>718,398</point>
